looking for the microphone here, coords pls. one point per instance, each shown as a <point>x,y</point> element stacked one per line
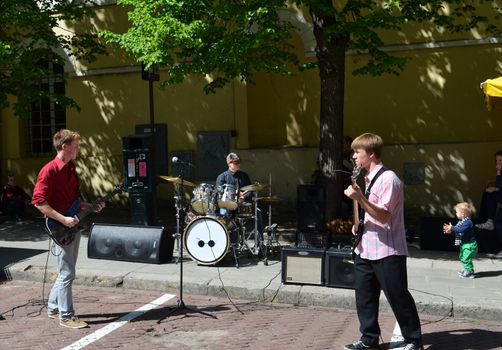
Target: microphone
<point>176,160</point>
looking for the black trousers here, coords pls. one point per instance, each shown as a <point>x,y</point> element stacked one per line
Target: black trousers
<point>390,276</point>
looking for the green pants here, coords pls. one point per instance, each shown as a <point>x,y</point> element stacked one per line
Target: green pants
<point>467,253</point>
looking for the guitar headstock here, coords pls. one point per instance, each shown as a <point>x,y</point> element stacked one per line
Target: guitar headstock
<point>119,189</point>
<point>356,171</point>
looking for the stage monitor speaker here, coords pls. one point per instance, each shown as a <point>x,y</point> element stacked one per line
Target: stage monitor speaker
<point>339,268</point>
<point>310,208</point>
<point>302,265</point>
<point>147,244</point>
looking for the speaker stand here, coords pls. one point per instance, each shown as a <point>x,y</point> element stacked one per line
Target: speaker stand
<point>180,304</point>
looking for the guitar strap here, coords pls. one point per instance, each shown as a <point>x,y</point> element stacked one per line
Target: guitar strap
<point>368,189</point>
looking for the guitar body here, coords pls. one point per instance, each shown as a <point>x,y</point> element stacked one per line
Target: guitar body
<point>62,235</point>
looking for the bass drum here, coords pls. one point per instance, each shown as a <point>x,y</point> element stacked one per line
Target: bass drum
<point>206,240</point>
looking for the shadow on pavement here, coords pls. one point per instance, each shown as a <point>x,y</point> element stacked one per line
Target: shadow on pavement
<point>483,274</point>
<point>10,256</point>
<point>473,339</point>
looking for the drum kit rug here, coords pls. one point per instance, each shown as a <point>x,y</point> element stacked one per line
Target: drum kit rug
<point>218,222</point>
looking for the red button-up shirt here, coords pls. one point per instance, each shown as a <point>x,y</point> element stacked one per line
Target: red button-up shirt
<point>57,184</point>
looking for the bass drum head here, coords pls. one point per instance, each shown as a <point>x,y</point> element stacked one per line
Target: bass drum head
<point>206,240</point>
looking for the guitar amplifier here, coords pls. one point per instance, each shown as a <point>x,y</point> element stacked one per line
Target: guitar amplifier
<point>302,265</point>
<point>339,268</point>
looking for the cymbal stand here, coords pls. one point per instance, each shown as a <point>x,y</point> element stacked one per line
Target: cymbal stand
<point>179,209</point>
<point>271,229</point>
<point>180,305</point>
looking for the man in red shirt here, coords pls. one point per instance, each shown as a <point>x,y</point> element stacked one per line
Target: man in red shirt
<point>57,196</point>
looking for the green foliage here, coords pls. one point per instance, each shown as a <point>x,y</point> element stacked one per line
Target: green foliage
<point>223,39</point>
<point>236,38</point>
<point>27,38</point>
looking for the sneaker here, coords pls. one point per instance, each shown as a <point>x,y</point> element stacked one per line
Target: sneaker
<point>360,345</point>
<point>73,322</point>
<point>53,314</point>
<point>467,274</point>
<point>488,225</point>
<point>412,346</point>
<point>461,272</point>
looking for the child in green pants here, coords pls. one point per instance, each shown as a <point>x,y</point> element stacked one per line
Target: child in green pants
<point>464,237</point>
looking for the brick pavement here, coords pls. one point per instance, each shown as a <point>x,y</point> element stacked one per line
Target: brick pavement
<point>244,325</point>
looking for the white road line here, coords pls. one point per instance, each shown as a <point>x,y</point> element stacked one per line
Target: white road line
<point>100,333</point>
<point>397,337</point>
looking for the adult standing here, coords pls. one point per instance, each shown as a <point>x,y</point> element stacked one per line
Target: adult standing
<point>57,196</point>
<point>380,261</point>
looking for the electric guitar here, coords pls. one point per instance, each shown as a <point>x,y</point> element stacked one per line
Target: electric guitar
<point>358,225</point>
<point>62,235</point>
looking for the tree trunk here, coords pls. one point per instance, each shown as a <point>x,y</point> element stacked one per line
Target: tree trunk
<point>330,53</point>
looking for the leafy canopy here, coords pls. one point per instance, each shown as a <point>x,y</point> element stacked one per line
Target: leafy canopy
<point>28,40</point>
<point>237,38</point>
<point>224,38</point>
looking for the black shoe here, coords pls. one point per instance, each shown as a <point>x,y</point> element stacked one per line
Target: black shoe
<point>360,345</point>
<point>412,346</point>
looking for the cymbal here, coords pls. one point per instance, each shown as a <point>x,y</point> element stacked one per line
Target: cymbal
<point>255,187</point>
<point>177,180</point>
<point>269,199</point>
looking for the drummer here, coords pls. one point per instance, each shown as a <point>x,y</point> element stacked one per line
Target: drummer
<point>238,178</point>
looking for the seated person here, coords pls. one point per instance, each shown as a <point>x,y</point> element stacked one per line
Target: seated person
<point>492,196</point>
<point>14,199</point>
<point>234,176</point>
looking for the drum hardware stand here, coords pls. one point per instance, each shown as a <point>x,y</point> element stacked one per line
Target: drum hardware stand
<point>180,304</point>
<point>177,235</point>
<point>244,245</point>
<point>259,241</point>
<point>271,229</point>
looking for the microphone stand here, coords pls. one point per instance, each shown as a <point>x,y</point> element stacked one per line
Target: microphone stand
<point>180,304</point>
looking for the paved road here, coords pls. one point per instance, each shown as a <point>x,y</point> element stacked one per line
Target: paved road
<point>236,324</point>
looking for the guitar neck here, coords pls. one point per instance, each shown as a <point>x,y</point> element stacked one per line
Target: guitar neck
<point>355,208</point>
<point>356,213</point>
<point>94,205</point>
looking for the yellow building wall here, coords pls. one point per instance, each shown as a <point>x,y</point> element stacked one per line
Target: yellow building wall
<point>433,114</point>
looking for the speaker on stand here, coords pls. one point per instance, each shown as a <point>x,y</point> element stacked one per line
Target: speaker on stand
<point>133,243</point>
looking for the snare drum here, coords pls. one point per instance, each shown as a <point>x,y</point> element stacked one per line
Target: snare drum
<point>227,197</point>
<point>206,240</point>
<point>245,210</point>
<point>203,199</point>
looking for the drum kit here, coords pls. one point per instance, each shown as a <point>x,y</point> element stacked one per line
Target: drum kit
<point>218,221</point>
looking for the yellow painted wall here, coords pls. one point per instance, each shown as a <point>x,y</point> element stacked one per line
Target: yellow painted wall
<point>432,114</point>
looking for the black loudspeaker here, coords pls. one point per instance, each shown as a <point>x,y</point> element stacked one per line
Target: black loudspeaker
<point>302,265</point>
<point>311,204</point>
<point>147,244</point>
<point>339,268</point>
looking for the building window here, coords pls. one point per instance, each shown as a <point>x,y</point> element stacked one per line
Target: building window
<point>45,115</point>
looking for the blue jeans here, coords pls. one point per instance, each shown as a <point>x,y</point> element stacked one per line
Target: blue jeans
<point>61,297</point>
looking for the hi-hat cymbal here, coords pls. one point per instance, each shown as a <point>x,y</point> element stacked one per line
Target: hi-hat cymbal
<point>177,180</point>
<point>255,187</point>
<point>269,199</point>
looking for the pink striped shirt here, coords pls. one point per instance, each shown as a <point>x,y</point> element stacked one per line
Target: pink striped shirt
<point>382,240</point>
